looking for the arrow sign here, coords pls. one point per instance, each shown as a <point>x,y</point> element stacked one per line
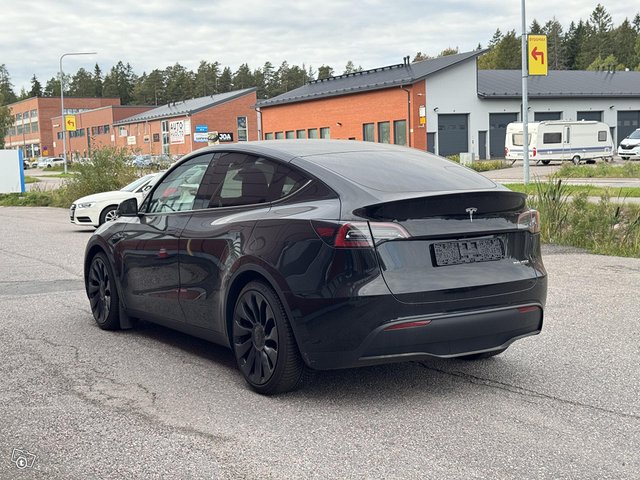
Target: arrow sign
<point>537,50</point>
<point>70,123</point>
<point>535,54</point>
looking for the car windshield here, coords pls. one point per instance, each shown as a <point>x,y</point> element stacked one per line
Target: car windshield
<point>133,186</point>
<point>635,135</point>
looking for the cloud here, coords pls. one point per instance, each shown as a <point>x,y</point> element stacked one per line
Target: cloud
<point>154,34</point>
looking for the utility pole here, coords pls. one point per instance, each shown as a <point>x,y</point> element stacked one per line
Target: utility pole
<point>525,99</point>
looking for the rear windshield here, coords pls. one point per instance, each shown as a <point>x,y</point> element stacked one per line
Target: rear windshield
<point>402,171</point>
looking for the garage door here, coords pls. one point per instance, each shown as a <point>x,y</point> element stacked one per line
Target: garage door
<point>542,116</point>
<point>453,134</point>
<point>627,123</point>
<point>498,124</point>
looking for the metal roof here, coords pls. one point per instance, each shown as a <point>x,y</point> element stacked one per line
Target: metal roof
<point>375,79</point>
<point>559,84</point>
<point>177,109</point>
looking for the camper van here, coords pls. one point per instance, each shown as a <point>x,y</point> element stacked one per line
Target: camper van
<point>560,140</point>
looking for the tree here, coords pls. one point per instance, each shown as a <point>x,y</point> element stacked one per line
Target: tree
<point>449,51</point>
<point>97,81</point>
<point>150,89</point>
<point>243,78</point>
<point>6,87</point>
<point>504,54</point>
<point>119,83</point>
<point>609,63</point>
<point>536,28</point>
<point>419,57</point>
<point>555,45</point>
<point>180,83</point>
<point>6,120</point>
<point>82,84</point>
<point>488,60</point>
<point>225,82</point>
<point>325,71</point>
<point>624,41</point>
<point>36,87</point>
<point>350,68</point>
<point>206,79</point>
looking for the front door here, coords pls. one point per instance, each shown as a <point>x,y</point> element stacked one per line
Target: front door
<point>149,243</point>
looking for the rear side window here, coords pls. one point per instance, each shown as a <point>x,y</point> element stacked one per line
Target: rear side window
<point>239,179</point>
<point>602,136</point>
<point>552,137</point>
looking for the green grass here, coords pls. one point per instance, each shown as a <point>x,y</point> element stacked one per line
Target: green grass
<point>28,179</point>
<point>61,175</point>
<point>589,190</point>
<point>600,170</point>
<point>605,227</point>
<point>483,165</point>
<point>29,199</point>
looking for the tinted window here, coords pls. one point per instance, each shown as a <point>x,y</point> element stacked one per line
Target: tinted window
<point>403,171</point>
<point>177,192</point>
<point>239,179</point>
<point>552,137</point>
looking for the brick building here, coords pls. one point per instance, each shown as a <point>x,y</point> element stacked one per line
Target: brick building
<point>94,129</point>
<point>181,127</point>
<point>32,129</point>
<point>384,105</point>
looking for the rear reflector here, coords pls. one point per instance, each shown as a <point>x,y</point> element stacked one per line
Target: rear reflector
<point>414,324</point>
<point>527,309</point>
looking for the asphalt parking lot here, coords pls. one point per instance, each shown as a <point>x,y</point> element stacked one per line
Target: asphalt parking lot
<point>152,403</point>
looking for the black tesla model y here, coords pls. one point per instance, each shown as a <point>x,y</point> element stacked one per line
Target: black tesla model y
<point>323,254</point>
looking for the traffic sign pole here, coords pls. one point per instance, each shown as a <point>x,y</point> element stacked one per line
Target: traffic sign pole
<point>525,98</point>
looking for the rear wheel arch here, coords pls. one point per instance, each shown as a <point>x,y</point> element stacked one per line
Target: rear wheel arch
<point>240,279</point>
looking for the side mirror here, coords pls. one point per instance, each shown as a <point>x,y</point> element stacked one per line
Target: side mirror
<point>128,208</point>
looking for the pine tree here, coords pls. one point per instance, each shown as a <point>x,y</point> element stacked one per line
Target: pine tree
<point>6,87</point>
<point>97,81</point>
<point>449,51</point>
<point>36,87</point>
<point>555,45</point>
<point>225,82</point>
<point>325,71</point>
<point>536,28</point>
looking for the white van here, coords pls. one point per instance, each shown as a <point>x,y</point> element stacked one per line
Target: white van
<point>629,148</point>
<point>560,140</point>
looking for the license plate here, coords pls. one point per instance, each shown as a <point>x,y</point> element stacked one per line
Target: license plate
<point>468,251</point>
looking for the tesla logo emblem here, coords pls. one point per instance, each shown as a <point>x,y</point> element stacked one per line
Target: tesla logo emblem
<point>471,211</point>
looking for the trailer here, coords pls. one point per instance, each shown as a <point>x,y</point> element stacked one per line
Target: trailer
<point>560,140</point>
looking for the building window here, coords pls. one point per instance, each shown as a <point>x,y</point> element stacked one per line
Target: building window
<point>34,113</point>
<point>12,131</point>
<point>325,132</point>
<point>123,131</point>
<point>242,129</point>
<point>384,132</point>
<point>268,136</point>
<point>301,134</point>
<point>27,128</point>
<point>279,135</point>
<point>59,135</point>
<point>367,132</point>
<point>18,117</point>
<point>290,134</point>
<point>106,128</point>
<point>313,133</point>
<point>34,127</point>
<point>19,127</point>
<point>165,136</point>
<point>400,132</point>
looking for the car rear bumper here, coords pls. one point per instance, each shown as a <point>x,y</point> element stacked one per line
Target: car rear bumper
<point>363,336</point>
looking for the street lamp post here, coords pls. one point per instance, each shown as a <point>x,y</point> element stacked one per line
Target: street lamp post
<point>64,125</point>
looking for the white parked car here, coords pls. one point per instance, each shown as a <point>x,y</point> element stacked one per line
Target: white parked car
<point>98,208</point>
<point>629,148</point>
<point>48,162</point>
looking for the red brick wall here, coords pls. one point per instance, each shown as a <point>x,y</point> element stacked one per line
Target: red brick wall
<point>346,114</point>
<point>221,118</point>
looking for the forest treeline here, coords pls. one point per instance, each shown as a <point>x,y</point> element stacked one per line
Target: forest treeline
<point>591,44</point>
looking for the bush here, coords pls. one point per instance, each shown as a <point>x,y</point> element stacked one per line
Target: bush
<point>600,170</point>
<point>27,199</point>
<point>108,170</point>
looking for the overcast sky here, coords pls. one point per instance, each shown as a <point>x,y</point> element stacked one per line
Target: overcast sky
<point>157,33</point>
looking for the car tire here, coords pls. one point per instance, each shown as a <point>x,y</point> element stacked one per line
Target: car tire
<point>546,162</point>
<point>103,293</point>
<point>624,158</point>
<point>263,343</point>
<point>483,355</point>
<point>576,160</point>
<point>108,214</point>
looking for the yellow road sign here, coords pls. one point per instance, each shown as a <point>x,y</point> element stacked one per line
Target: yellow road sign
<point>70,123</point>
<point>537,54</point>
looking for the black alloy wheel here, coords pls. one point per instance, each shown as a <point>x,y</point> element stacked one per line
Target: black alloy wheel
<point>263,342</point>
<point>102,292</point>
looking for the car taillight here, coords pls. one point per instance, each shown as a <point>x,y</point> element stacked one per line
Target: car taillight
<point>506,151</point>
<point>535,151</point>
<point>529,220</point>
<point>357,234</point>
